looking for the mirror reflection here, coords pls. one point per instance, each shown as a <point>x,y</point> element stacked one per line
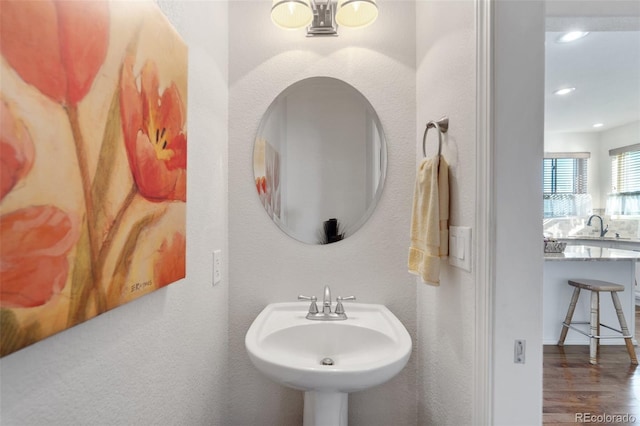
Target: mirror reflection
<point>319,160</point>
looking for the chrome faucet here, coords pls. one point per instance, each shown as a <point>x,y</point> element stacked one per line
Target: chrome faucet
<point>326,301</point>
<point>603,230</point>
<point>326,314</point>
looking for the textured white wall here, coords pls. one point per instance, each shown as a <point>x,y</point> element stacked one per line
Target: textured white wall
<point>518,134</point>
<point>446,64</point>
<point>160,359</point>
<point>268,266</point>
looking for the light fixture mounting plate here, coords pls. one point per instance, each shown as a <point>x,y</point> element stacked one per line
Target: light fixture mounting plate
<point>324,23</point>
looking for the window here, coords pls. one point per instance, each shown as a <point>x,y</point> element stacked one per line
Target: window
<point>625,181</point>
<point>565,175</point>
<point>565,184</point>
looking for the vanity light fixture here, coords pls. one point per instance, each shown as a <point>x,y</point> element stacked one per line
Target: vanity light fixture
<point>291,14</point>
<point>571,36</point>
<point>322,17</point>
<point>356,13</point>
<point>598,125</point>
<point>565,91</point>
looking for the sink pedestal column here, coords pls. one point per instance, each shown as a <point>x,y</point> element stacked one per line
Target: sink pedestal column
<point>325,408</point>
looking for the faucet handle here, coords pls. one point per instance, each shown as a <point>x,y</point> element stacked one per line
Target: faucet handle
<point>313,308</point>
<point>339,307</point>
<point>311,298</point>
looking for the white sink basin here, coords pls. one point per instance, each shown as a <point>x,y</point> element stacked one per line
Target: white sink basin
<point>368,348</point>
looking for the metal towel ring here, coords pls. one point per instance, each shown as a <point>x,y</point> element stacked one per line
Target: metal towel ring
<point>441,126</point>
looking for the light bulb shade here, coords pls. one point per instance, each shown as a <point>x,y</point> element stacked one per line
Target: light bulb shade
<point>356,13</point>
<point>291,14</point>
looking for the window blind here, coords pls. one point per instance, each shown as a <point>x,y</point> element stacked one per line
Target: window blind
<point>625,181</point>
<point>565,184</point>
<point>565,176</point>
<point>625,172</point>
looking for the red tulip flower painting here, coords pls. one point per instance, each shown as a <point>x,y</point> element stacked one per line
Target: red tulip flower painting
<point>154,134</point>
<point>68,39</point>
<point>16,150</point>
<point>36,242</point>
<point>93,161</point>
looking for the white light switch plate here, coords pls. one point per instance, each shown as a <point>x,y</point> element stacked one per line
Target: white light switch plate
<point>460,247</point>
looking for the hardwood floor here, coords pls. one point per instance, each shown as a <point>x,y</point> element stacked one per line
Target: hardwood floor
<point>575,391</point>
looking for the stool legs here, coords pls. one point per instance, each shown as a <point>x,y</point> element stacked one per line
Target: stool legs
<point>567,320</point>
<point>625,329</point>
<point>595,326</point>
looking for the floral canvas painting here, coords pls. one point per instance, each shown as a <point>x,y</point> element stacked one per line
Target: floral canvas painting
<point>93,161</point>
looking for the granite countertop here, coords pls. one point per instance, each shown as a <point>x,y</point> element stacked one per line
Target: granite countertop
<point>580,252</point>
<point>605,238</point>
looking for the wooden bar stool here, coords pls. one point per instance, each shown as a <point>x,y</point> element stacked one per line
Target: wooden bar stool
<point>595,287</point>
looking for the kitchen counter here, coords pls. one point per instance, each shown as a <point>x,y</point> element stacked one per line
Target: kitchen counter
<point>606,241</point>
<point>605,238</point>
<point>584,252</point>
<point>584,261</point>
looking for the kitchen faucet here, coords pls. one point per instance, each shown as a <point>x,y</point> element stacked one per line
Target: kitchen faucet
<point>603,230</point>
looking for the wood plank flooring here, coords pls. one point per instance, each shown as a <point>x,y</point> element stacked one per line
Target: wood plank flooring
<point>576,392</point>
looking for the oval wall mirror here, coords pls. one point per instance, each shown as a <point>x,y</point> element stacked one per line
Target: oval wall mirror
<point>319,160</point>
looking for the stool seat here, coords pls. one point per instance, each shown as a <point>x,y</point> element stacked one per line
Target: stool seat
<point>595,285</point>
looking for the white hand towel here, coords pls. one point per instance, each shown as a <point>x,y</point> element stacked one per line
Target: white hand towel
<point>429,220</point>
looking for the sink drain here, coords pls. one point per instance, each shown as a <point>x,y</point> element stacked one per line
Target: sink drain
<point>326,361</point>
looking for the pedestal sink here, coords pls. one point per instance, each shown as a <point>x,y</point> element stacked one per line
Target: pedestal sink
<point>328,359</point>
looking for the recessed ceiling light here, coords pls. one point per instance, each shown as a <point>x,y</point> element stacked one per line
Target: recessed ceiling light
<point>564,91</point>
<point>598,125</point>
<point>571,36</point>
